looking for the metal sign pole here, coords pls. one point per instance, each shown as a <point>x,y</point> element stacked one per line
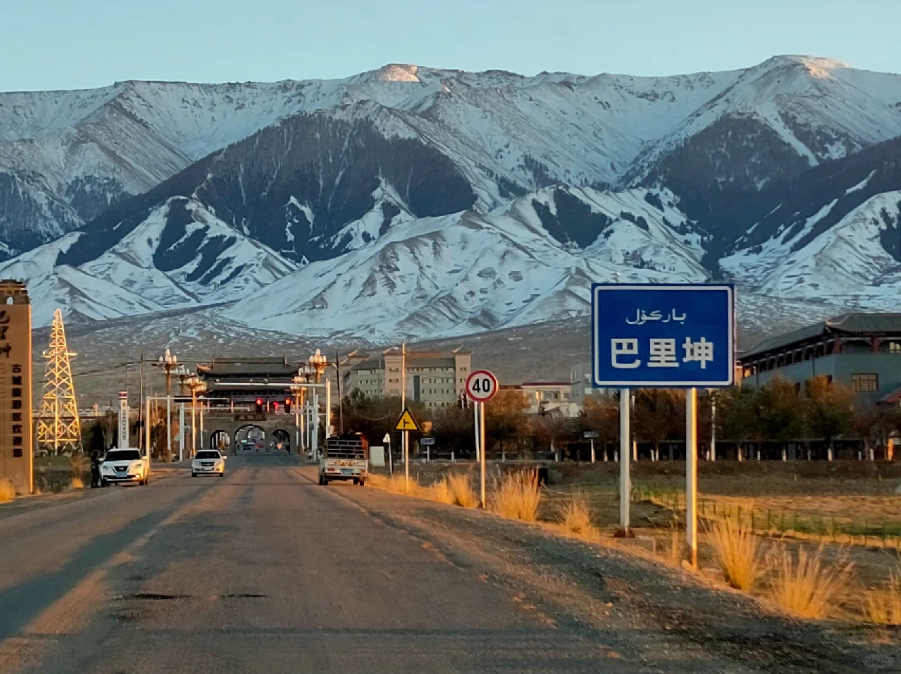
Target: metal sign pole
<point>625,438</point>
<point>407,460</point>
<point>691,477</point>
<point>390,458</point>
<point>181,431</point>
<point>483,462</point>
<point>147,426</point>
<point>475,423</point>
<point>593,458</point>
<point>712,427</point>
<point>168,427</point>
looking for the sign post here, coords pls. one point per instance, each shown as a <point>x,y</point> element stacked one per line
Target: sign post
<point>123,440</point>
<point>663,336</point>
<point>406,423</point>
<point>387,441</point>
<point>481,386</point>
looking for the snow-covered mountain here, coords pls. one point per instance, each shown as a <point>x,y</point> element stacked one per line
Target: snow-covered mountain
<point>469,272</point>
<point>835,235</point>
<point>421,201</point>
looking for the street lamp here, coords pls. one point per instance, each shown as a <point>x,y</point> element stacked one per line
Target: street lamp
<point>168,363</point>
<point>196,385</point>
<point>318,362</point>
<point>182,374</point>
<point>302,377</point>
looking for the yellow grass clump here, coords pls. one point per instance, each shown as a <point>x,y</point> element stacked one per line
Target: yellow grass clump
<point>7,490</point>
<point>738,553</point>
<point>805,586</point>
<point>394,483</point>
<point>461,488</point>
<point>517,496</point>
<point>883,605</point>
<point>576,518</point>
<point>440,491</point>
<point>76,483</point>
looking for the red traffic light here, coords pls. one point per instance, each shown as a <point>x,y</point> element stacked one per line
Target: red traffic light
<point>287,401</point>
<point>259,401</point>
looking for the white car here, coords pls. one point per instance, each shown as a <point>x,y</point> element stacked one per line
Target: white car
<point>125,465</point>
<point>208,462</point>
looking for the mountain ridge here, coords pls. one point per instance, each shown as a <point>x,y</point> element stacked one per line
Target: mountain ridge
<point>239,188</point>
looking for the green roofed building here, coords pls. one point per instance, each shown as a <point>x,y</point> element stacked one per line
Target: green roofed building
<point>861,351</point>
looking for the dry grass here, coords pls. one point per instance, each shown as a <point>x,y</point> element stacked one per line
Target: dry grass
<point>396,484</point>
<point>7,490</point>
<point>738,553</point>
<point>516,496</point>
<point>805,586</point>
<point>576,518</point>
<point>883,605</point>
<point>461,488</point>
<point>439,491</point>
<point>76,483</point>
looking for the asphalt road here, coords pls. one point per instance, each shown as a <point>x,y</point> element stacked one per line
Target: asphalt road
<point>265,571</point>
<point>262,571</point>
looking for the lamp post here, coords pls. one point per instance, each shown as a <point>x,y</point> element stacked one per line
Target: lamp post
<point>167,363</point>
<point>302,377</point>
<point>196,386</point>
<point>318,363</point>
<point>183,374</point>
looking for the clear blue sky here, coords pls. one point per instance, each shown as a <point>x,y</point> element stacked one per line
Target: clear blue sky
<point>50,44</point>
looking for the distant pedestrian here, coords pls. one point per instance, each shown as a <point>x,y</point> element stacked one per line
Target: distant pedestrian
<point>95,469</point>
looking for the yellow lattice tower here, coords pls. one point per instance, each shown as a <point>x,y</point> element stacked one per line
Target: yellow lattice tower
<point>59,429</point>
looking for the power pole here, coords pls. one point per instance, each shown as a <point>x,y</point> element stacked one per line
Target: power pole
<point>59,428</point>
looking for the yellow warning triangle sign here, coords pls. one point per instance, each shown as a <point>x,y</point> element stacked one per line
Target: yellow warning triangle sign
<point>406,422</point>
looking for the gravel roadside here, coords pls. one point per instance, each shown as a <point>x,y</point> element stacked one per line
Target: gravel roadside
<point>665,618</point>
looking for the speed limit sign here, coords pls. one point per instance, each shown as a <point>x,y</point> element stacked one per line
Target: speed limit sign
<point>481,386</point>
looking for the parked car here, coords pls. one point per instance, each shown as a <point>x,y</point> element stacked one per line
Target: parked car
<point>208,462</point>
<point>125,465</point>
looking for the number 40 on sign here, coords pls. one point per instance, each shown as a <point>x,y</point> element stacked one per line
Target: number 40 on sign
<point>481,386</point>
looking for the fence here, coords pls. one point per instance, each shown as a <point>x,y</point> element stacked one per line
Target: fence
<point>785,523</point>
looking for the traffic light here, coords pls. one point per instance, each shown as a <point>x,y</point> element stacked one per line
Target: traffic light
<point>259,405</point>
<point>287,405</point>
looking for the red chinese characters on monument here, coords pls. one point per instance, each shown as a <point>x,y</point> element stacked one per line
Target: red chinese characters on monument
<point>15,386</point>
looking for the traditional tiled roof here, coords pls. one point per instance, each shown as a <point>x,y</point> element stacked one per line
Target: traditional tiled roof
<point>848,324</point>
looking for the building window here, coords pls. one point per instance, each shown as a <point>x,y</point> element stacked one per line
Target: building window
<point>865,383</point>
<point>894,347</point>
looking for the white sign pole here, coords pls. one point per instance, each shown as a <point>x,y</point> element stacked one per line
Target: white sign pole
<point>168,427</point>
<point>625,437</point>
<point>691,477</point>
<point>407,460</point>
<point>483,463</point>
<point>475,423</point>
<point>147,425</point>
<point>123,440</point>
<point>592,451</point>
<point>712,427</point>
<point>181,431</point>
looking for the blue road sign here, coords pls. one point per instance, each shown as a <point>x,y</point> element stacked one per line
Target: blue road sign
<point>662,336</point>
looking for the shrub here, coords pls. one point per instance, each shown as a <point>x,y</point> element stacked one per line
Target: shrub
<point>7,491</point>
<point>738,553</point>
<point>576,517</point>
<point>441,492</point>
<point>517,496</point>
<point>76,483</point>
<point>805,586</point>
<point>463,493</point>
<point>883,605</point>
